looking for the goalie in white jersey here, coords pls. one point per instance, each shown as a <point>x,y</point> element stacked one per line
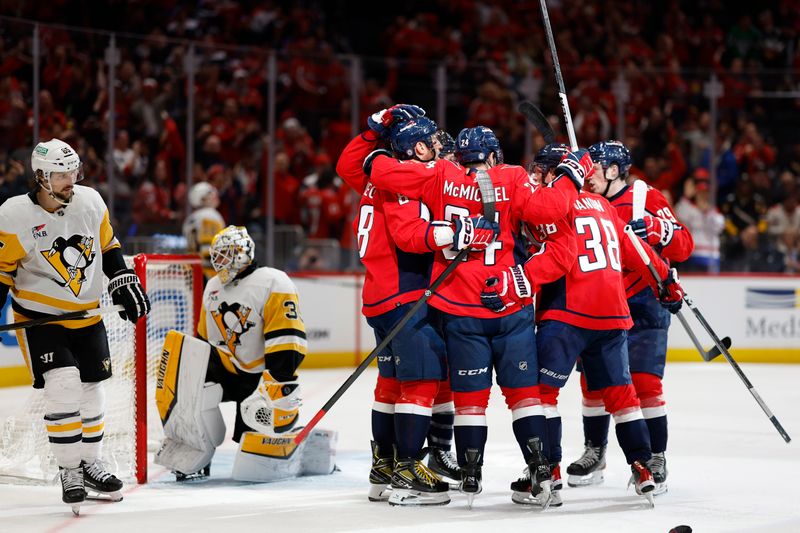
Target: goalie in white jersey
<point>254,341</point>
<point>56,242</point>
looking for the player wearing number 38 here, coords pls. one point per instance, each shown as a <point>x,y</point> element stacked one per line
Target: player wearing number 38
<point>252,339</point>
<point>56,242</point>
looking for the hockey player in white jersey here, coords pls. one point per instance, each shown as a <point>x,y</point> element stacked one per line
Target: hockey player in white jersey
<point>56,242</point>
<point>203,223</point>
<point>252,339</point>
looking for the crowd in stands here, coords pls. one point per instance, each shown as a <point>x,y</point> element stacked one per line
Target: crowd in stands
<point>495,55</point>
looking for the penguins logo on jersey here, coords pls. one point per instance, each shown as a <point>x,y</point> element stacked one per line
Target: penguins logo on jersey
<point>70,258</point>
<point>231,320</point>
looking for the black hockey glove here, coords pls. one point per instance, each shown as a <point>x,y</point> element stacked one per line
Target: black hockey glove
<point>367,166</point>
<point>126,290</point>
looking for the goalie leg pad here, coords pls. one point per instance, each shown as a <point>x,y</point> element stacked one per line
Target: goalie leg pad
<point>265,458</point>
<point>189,408</point>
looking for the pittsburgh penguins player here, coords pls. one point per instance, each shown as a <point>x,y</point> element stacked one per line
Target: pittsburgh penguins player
<point>203,223</point>
<point>56,242</point>
<point>252,339</point>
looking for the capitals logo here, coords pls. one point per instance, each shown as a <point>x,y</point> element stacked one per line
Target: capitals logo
<point>70,258</point>
<point>231,320</point>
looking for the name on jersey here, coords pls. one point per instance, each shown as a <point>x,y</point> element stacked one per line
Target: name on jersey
<point>369,191</point>
<point>589,203</point>
<point>471,192</point>
<point>39,231</point>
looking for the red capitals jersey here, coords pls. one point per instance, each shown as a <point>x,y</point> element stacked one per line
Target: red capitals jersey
<point>386,229</point>
<point>677,249</point>
<point>451,191</point>
<point>592,294</point>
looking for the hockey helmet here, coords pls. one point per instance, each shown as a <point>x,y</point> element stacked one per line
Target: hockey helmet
<point>200,193</point>
<point>549,157</point>
<point>608,153</point>
<point>405,136</point>
<point>232,250</point>
<point>473,145</point>
<point>55,158</point>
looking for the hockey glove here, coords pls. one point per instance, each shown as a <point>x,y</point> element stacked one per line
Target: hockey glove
<point>126,290</point>
<point>367,166</point>
<point>498,295</point>
<point>577,166</point>
<point>274,407</point>
<point>653,230</point>
<point>440,235</point>
<point>475,233</point>
<point>671,297</point>
<point>381,121</point>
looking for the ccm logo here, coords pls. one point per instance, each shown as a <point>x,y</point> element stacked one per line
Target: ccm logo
<point>473,371</point>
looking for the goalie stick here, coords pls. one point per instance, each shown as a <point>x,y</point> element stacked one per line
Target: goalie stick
<point>720,345</point>
<point>488,199</point>
<point>73,315</point>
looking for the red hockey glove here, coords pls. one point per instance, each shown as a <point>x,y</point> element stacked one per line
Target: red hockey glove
<point>477,233</point>
<point>381,121</point>
<point>498,295</point>
<point>653,230</point>
<point>671,297</point>
<point>577,166</point>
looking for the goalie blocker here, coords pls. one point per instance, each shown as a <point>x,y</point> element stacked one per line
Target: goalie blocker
<point>194,427</point>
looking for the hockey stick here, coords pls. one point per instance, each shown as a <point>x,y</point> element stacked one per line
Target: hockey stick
<point>562,91</point>
<point>537,119</point>
<point>74,315</point>
<point>488,199</point>
<point>720,345</point>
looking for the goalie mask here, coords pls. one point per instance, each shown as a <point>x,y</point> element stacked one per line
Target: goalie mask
<point>232,251</point>
<point>54,165</point>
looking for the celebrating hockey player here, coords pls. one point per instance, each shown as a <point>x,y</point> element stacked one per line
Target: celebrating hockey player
<point>252,339</point>
<point>203,223</point>
<point>56,242</point>
<point>585,313</point>
<point>653,220</point>
<point>477,340</point>
<point>412,396</point>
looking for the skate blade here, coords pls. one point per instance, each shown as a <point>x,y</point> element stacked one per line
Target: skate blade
<point>379,493</point>
<point>649,497</point>
<point>405,497</point>
<point>76,508</point>
<point>661,488</point>
<point>470,499</point>
<point>99,496</point>
<point>595,478</point>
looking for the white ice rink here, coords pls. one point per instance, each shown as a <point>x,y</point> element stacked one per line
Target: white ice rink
<point>729,472</point>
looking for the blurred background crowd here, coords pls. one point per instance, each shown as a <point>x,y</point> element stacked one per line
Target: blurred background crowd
<point>705,93</point>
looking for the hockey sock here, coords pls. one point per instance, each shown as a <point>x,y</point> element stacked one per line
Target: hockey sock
<point>527,415</point>
<point>595,429</point>
<point>470,436</point>
<point>387,390</point>
<point>658,433</point>
<point>92,409</point>
<point>412,416</point>
<point>553,434</point>
<point>62,395</point>
<point>440,434</point>
<point>651,395</point>
<point>632,435</point>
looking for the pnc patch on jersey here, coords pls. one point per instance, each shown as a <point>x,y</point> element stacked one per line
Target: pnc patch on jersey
<point>70,258</point>
<point>38,231</point>
<point>231,320</point>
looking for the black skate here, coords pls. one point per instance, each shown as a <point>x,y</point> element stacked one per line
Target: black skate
<point>642,480</point>
<point>444,465</point>
<point>658,466</point>
<point>99,483</point>
<point>414,484</point>
<point>522,488</point>
<point>540,475</point>
<point>73,492</point>
<point>471,476</point>
<point>588,470</point>
<point>380,475</point>
<point>203,473</point>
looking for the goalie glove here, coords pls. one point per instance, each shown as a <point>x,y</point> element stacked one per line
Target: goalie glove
<point>577,166</point>
<point>475,233</point>
<point>653,230</point>
<point>671,297</point>
<point>383,120</point>
<point>498,295</point>
<point>126,290</point>
<point>274,407</point>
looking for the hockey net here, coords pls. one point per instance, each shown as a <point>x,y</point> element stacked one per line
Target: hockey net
<point>174,284</point>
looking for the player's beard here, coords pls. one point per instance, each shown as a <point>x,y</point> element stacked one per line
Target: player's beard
<point>64,196</point>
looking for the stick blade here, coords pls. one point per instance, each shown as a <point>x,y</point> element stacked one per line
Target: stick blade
<point>714,352</point>
<point>535,116</point>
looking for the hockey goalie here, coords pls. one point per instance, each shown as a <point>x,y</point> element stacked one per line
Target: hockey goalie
<point>252,339</point>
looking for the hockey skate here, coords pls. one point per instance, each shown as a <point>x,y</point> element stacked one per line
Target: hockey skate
<point>522,488</point>
<point>73,492</point>
<point>539,476</point>
<point>99,483</point>
<point>443,464</point>
<point>380,475</point>
<point>414,484</point>
<point>471,476</point>
<point>658,466</point>
<point>193,476</point>
<point>642,481</point>
<point>588,470</point>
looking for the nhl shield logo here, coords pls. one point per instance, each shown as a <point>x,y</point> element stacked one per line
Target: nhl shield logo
<point>523,365</point>
<point>231,320</point>
<point>70,258</point>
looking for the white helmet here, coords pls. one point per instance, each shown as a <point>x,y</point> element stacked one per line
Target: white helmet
<point>232,251</point>
<point>199,194</point>
<point>55,156</point>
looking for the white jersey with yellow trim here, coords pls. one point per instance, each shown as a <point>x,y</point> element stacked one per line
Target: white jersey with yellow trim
<point>252,318</point>
<point>53,261</point>
<point>199,229</point>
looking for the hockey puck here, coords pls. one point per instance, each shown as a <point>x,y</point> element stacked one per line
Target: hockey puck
<point>681,529</point>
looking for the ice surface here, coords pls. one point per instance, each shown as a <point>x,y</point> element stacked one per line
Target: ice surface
<point>729,471</point>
